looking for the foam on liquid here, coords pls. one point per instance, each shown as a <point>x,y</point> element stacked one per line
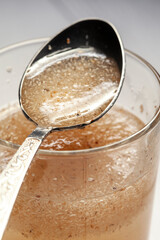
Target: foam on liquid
<point>117,124</point>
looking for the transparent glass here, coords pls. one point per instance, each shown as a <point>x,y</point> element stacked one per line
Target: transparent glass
<point>76,195</point>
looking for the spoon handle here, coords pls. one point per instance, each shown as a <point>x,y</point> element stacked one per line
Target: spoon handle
<point>13,175</point>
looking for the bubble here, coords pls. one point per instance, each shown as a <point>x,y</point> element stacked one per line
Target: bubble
<point>55,179</point>
<point>90,179</point>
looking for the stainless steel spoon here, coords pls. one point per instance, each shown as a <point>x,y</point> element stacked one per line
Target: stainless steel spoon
<point>96,34</point>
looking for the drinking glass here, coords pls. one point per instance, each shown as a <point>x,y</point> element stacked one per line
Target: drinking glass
<point>92,194</point>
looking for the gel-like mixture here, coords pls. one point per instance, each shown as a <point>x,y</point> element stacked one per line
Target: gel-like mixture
<point>69,91</point>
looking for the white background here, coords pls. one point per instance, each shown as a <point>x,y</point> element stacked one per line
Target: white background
<point>138,22</point>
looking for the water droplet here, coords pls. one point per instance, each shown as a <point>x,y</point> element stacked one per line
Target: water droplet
<point>9,69</point>
<point>49,47</point>
<point>68,40</point>
<point>86,36</point>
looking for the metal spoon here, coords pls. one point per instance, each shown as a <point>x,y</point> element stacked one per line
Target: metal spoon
<point>101,37</point>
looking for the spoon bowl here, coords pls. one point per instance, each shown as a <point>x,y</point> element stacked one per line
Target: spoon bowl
<point>87,38</point>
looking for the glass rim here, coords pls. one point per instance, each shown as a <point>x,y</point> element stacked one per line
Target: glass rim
<point>150,125</point>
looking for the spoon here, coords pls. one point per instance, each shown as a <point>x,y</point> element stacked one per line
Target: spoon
<point>91,36</point>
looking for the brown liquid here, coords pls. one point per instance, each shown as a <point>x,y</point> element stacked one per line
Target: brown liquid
<point>69,91</point>
<point>98,196</point>
<point>116,125</point>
